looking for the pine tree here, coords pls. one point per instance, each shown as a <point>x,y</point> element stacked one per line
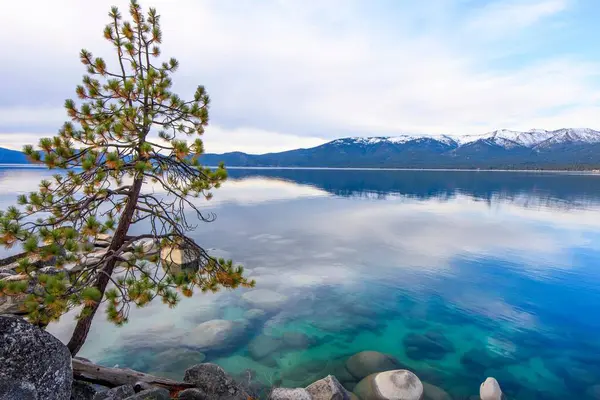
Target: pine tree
<point>127,133</point>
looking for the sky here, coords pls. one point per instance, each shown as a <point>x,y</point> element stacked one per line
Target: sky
<point>285,74</point>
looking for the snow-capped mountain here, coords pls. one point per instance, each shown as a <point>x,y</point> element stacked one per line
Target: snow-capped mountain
<point>400,139</point>
<point>505,138</point>
<point>535,137</point>
<point>537,148</point>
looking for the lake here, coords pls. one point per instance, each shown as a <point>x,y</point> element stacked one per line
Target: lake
<point>457,275</point>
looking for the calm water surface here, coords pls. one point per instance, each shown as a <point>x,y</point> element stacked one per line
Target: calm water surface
<point>501,269</point>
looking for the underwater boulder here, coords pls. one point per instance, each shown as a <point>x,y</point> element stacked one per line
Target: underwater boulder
<point>432,392</point>
<point>428,346</point>
<point>366,363</point>
<point>216,335</point>
<point>263,345</point>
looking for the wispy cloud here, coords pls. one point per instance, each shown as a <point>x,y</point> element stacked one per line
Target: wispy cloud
<point>506,17</point>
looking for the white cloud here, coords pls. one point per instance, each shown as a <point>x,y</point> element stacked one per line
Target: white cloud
<point>285,74</point>
<point>503,17</point>
<point>430,234</point>
<point>31,116</point>
<point>254,141</point>
<point>216,140</point>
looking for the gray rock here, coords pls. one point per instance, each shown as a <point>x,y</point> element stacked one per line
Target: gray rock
<point>296,340</point>
<point>265,299</point>
<point>480,359</point>
<point>93,257</point>
<point>431,345</point>
<point>193,394</point>
<point>289,394</point>
<point>432,392</point>
<point>366,363</point>
<point>151,394</point>
<point>177,359</point>
<point>34,364</point>
<point>215,382</point>
<point>390,385</point>
<point>11,305</point>
<point>102,243</point>
<point>327,388</point>
<point>118,393</point>
<point>49,271</point>
<point>82,391</point>
<point>6,275</point>
<point>17,390</point>
<point>149,246</point>
<point>10,269</point>
<point>218,334</point>
<point>263,345</point>
<point>341,373</point>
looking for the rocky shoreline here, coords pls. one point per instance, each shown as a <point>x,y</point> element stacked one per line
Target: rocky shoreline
<point>36,365</point>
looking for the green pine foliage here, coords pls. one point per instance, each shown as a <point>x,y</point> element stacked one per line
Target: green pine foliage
<point>127,132</point>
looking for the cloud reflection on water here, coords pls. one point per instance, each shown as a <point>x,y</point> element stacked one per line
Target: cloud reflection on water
<point>305,237</point>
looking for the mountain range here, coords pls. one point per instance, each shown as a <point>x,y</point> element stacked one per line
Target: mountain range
<point>502,149</point>
<point>534,149</point>
<point>12,157</point>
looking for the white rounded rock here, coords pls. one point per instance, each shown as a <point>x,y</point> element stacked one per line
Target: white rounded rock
<point>398,384</point>
<point>490,390</point>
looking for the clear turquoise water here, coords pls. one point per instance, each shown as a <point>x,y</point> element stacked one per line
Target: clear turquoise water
<point>505,267</point>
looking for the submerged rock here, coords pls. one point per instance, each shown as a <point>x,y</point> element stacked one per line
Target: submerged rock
<point>177,359</point>
<point>217,334</point>
<point>33,363</point>
<point>366,363</point>
<point>432,392</point>
<point>263,345</point>
<point>390,385</point>
<point>480,359</point>
<point>215,382</point>
<point>428,346</point>
<point>490,390</point>
<point>296,340</point>
<point>265,299</point>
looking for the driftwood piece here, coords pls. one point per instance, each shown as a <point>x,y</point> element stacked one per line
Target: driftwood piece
<point>84,370</point>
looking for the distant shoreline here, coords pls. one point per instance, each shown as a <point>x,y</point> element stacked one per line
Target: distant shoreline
<point>568,171</point>
<point>583,171</point>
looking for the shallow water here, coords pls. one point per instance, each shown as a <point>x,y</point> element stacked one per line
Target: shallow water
<point>501,269</point>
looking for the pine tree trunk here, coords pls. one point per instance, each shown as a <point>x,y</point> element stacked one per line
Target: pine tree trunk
<point>83,324</point>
